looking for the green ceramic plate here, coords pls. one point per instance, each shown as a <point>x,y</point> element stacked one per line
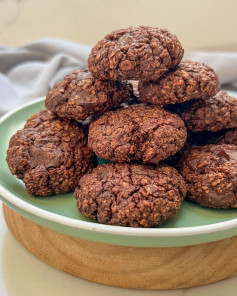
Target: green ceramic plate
<point>193,225</point>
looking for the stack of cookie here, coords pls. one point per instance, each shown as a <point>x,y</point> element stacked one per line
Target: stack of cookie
<point>52,153</point>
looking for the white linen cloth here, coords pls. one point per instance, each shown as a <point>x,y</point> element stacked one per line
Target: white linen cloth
<point>27,72</point>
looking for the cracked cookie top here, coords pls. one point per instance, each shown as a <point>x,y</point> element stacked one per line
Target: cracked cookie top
<point>135,53</point>
<point>130,194</point>
<point>146,133</point>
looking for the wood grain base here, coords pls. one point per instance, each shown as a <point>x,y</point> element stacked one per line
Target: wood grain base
<point>128,267</point>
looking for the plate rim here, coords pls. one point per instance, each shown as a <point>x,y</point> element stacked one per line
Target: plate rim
<point>103,228</point>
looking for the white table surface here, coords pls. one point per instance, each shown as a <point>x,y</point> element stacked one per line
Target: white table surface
<point>22,274</point>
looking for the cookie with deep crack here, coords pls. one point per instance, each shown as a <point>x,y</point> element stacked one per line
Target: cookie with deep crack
<point>135,53</point>
<point>130,194</point>
<point>138,133</point>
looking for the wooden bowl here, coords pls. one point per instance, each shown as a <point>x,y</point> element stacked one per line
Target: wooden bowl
<point>127,267</point>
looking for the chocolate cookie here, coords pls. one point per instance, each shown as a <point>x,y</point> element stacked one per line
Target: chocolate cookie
<point>189,80</point>
<point>130,195</point>
<point>80,95</point>
<point>49,155</point>
<point>147,133</point>
<point>135,53</point>
<point>214,114</point>
<point>230,137</point>
<point>211,175</point>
